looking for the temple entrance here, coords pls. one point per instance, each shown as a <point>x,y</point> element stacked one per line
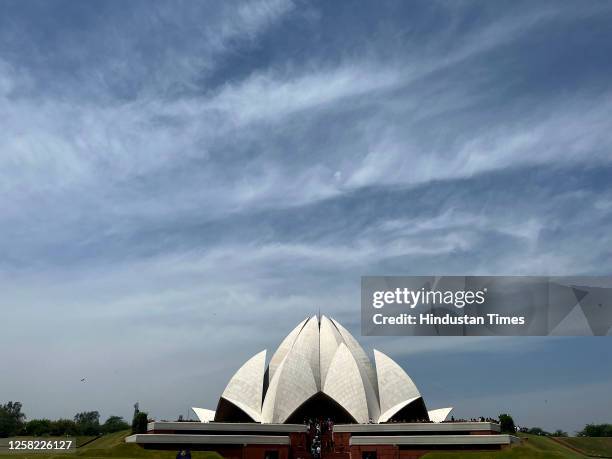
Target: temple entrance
<point>321,406</point>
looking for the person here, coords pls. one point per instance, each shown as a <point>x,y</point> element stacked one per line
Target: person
<point>187,454</point>
<point>180,454</point>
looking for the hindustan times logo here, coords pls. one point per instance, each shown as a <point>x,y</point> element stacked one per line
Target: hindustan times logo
<point>412,298</point>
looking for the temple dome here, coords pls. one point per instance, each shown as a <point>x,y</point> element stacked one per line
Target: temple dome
<point>320,369</point>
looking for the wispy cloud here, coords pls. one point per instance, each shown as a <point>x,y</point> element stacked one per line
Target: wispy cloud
<point>165,170</point>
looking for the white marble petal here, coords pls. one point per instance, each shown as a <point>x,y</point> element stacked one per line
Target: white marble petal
<point>365,365</point>
<point>385,415</point>
<point>292,384</point>
<point>395,388</point>
<point>306,348</point>
<point>284,348</point>
<point>439,415</point>
<point>345,385</point>
<point>203,414</point>
<point>329,341</point>
<point>365,368</point>
<point>267,409</point>
<point>245,389</point>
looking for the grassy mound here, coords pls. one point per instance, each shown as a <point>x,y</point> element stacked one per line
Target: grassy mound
<point>82,440</point>
<point>594,447</point>
<point>532,447</point>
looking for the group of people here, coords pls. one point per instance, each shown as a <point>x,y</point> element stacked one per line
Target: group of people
<point>480,419</point>
<point>319,441</point>
<point>452,419</point>
<point>408,420</point>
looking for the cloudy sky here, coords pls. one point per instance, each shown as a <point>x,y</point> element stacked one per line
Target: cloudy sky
<point>181,183</point>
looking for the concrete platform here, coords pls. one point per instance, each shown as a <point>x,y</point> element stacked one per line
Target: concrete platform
<point>435,440</point>
<point>358,441</point>
<point>182,439</point>
<point>357,429</point>
<point>195,427</point>
<point>354,429</point>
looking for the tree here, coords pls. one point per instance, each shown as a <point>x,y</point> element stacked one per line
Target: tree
<point>139,423</point>
<point>87,422</point>
<point>559,433</point>
<point>538,431</point>
<point>596,430</point>
<point>506,423</point>
<point>38,427</point>
<point>114,424</point>
<point>11,419</point>
<point>63,427</point>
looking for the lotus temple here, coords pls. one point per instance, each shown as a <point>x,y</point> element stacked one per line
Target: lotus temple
<point>321,397</point>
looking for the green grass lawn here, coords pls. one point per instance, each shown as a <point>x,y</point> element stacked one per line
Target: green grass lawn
<point>83,439</point>
<point>595,447</point>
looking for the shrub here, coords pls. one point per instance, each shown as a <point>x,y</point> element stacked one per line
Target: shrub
<point>88,423</point>
<point>538,431</point>
<point>63,427</point>
<point>139,423</point>
<point>596,430</point>
<point>114,424</point>
<point>506,423</point>
<point>38,427</point>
